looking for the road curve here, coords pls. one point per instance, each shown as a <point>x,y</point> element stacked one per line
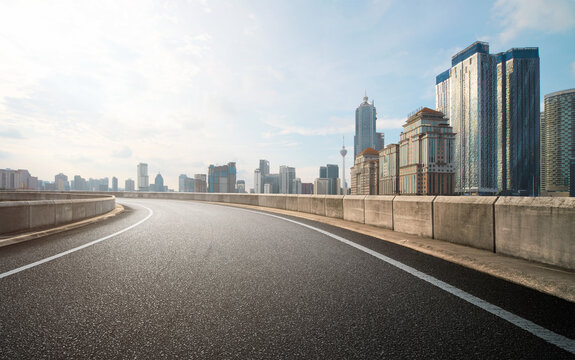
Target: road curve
<point>176,279</point>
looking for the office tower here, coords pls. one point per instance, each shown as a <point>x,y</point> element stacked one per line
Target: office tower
<point>331,173</point>
<point>543,153</point>
<point>143,179</point>
<point>321,186</point>
<point>492,101</point>
<point>273,183</point>
<point>61,182</point>
<point>114,184</point>
<point>557,141</point>
<point>129,185</point>
<point>80,183</point>
<point>343,153</point>
<point>364,173</point>
<point>264,167</point>
<point>185,183</point>
<point>200,184</point>
<point>380,141</point>
<point>286,177</point>
<point>365,130</point>
<point>241,186</point>
<point>306,188</point>
<point>258,181</point>
<point>426,154</point>
<point>323,172</point>
<point>389,170</point>
<point>159,183</point>
<point>17,179</point>
<point>296,186</point>
<point>222,179</point>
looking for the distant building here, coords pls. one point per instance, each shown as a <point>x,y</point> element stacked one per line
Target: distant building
<point>61,182</point>
<point>426,155</point>
<point>129,185</point>
<point>79,184</point>
<point>241,187</point>
<point>98,184</point>
<point>557,141</point>
<point>321,186</point>
<point>366,134</point>
<point>389,170</point>
<point>286,178</point>
<point>259,176</point>
<point>572,179</point>
<point>296,186</point>
<point>492,102</point>
<point>222,179</point>
<point>306,188</point>
<point>331,174</point>
<point>200,183</point>
<point>273,182</point>
<point>159,183</point>
<point>114,184</point>
<point>143,179</point>
<point>186,184</point>
<point>17,180</point>
<point>364,173</point>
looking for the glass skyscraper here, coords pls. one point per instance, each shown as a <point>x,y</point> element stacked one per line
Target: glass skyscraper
<point>365,130</point>
<point>558,140</point>
<point>492,101</point>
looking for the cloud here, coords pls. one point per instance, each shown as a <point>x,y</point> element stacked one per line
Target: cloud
<point>335,126</point>
<point>387,124</point>
<point>10,134</point>
<point>517,16</point>
<point>125,152</point>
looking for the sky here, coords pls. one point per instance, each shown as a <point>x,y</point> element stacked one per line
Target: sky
<point>93,88</point>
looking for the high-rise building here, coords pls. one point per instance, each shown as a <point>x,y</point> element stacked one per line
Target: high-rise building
<point>259,176</point>
<point>17,179</point>
<point>200,183</point>
<point>159,183</point>
<point>343,153</point>
<point>264,167</point>
<point>222,179</point>
<point>426,154</point>
<point>364,173</point>
<point>286,178</point>
<point>306,188</point>
<point>389,170</point>
<point>321,186</point>
<point>572,179</point>
<point>143,179</point>
<point>185,183</point>
<point>557,141</point>
<point>61,182</point>
<point>129,185</point>
<point>114,184</point>
<point>273,183</point>
<point>240,186</point>
<point>492,101</point>
<point>296,186</point>
<point>331,173</point>
<point>366,134</point>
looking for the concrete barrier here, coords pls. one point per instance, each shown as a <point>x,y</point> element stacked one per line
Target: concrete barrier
<point>540,229</point>
<point>47,209</point>
<point>318,205</point>
<point>334,206</point>
<point>291,202</point>
<point>379,210</point>
<point>304,203</point>
<point>354,208</point>
<point>413,215</point>
<point>275,201</point>
<point>465,220</point>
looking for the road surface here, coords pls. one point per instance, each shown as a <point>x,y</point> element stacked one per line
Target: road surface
<point>176,279</point>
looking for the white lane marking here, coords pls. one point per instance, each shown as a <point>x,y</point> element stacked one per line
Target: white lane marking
<point>551,337</point>
<point>53,257</point>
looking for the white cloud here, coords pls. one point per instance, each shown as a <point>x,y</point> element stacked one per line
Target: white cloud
<point>336,126</point>
<point>388,124</point>
<point>517,16</point>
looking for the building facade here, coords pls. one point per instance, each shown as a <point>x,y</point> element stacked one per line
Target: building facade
<point>366,134</point>
<point>492,102</point>
<point>557,141</point>
<point>426,155</point>
<point>143,179</point>
<point>389,170</point>
<point>200,183</point>
<point>222,179</point>
<point>129,185</point>
<point>286,178</point>
<point>364,173</point>
<point>17,180</point>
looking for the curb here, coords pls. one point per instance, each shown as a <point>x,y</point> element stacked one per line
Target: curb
<point>37,234</point>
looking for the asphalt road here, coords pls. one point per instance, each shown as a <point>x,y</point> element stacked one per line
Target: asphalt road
<point>194,280</point>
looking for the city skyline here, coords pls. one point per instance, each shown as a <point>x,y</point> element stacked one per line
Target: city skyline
<point>82,94</point>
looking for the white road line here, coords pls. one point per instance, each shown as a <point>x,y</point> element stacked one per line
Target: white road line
<point>551,337</point>
<point>54,257</point>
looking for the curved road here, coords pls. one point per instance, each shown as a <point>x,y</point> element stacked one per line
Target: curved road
<point>193,280</point>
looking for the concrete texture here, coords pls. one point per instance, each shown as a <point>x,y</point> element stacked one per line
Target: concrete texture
<point>45,209</point>
<point>304,203</point>
<point>354,208</point>
<point>334,206</point>
<point>540,229</point>
<point>291,202</point>
<point>275,201</point>
<point>379,211</point>
<point>413,215</point>
<point>465,220</point>
<point>318,205</point>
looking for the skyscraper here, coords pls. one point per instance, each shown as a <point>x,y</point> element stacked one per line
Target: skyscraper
<point>143,179</point>
<point>365,130</point>
<point>222,179</point>
<point>492,101</point>
<point>286,178</point>
<point>129,185</point>
<point>343,153</point>
<point>159,183</point>
<point>557,140</point>
<point>114,183</point>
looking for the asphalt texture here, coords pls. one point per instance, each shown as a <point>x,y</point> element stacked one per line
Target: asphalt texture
<point>204,281</point>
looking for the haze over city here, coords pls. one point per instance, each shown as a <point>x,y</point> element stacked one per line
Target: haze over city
<point>93,88</point>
